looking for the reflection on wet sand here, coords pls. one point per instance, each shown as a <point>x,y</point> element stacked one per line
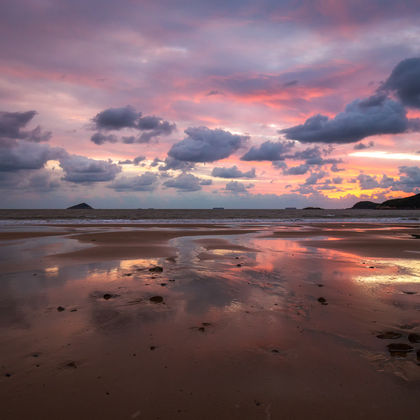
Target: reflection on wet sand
<point>244,325</point>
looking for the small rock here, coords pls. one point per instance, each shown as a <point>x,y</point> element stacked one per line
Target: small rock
<point>201,329</point>
<point>71,365</point>
<point>163,284</point>
<point>399,349</point>
<point>156,299</point>
<point>320,285</point>
<point>128,274</point>
<point>171,280</point>
<point>371,266</point>
<point>407,292</point>
<point>389,335</point>
<point>206,324</point>
<point>152,347</point>
<point>414,338</point>
<point>238,265</point>
<point>73,310</point>
<point>275,351</point>
<point>60,309</point>
<point>7,375</point>
<point>107,296</point>
<point>156,269</point>
<point>322,301</point>
<point>257,403</point>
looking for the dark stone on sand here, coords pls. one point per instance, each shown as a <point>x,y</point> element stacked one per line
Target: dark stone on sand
<point>414,338</point>
<point>320,285</point>
<point>163,284</point>
<point>7,375</point>
<point>152,347</point>
<point>389,335</point>
<point>156,299</point>
<point>107,296</point>
<point>201,329</point>
<point>35,355</point>
<point>171,280</point>
<point>73,310</point>
<point>371,266</point>
<point>80,206</point>
<point>399,349</point>
<point>128,274</point>
<point>71,365</point>
<point>238,265</point>
<point>60,309</point>
<point>415,236</point>
<point>408,292</point>
<point>156,269</point>
<point>275,351</point>
<point>206,324</point>
<point>322,300</point>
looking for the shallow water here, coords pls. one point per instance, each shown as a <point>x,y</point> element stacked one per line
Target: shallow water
<point>228,341</point>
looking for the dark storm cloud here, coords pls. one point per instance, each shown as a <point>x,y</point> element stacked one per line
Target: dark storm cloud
<point>100,138</point>
<point>314,156</point>
<point>12,124</point>
<point>145,182</point>
<point>409,180</point>
<point>80,169</point>
<point>362,118</point>
<point>205,145</point>
<point>405,82</point>
<point>184,182</point>
<point>269,151</point>
<point>115,119</point>
<point>297,170</point>
<point>232,172</point>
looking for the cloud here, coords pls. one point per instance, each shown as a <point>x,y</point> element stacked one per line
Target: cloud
<point>116,118</point>
<point>80,169</point>
<point>362,146</point>
<point>367,182</point>
<point>12,123</point>
<point>237,187</point>
<point>185,183</point>
<point>315,177</point>
<point>270,151</point>
<point>145,182</point>
<point>361,118</point>
<point>100,138</point>
<point>405,82</point>
<point>409,180</point>
<point>297,170</point>
<point>22,154</point>
<point>232,172</point>
<point>205,145</point>
<point>175,164</point>
<point>128,118</point>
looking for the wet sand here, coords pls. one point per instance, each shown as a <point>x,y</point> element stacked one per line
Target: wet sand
<point>264,322</point>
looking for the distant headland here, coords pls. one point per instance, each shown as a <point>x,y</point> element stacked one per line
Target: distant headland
<point>407,203</point>
<point>80,206</point>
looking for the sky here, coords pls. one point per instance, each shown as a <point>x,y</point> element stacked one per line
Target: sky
<point>235,104</point>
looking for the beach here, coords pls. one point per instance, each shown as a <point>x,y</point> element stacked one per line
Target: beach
<point>295,315</point>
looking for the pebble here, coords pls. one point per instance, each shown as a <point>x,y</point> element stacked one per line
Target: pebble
<point>414,338</point>
<point>107,296</point>
<point>156,269</point>
<point>322,300</point>
<point>60,309</point>
<point>156,299</point>
<point>399,349</point>
<point>389,335</point>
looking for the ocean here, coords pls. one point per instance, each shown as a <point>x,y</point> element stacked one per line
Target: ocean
<point>183,216</point>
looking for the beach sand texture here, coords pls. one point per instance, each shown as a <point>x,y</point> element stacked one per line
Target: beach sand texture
<point>210,320</point>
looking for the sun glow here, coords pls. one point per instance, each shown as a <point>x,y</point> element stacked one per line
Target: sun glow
<point>387,155</point>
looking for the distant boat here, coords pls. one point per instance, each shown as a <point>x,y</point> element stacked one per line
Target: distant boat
<point>218,208</point>
<point>80,206</point>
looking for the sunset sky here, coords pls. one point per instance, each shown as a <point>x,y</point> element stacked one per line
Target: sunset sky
<point>198,104</point>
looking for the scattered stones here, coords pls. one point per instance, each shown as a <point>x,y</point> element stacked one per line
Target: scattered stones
<point>414,338</point>
<point>107,296</point>
<point>322,301</point>
<point>156,269</point>
<point>156,299</point>
<point>60,308</point>
<point>389,335</point>
<point>399,349</point>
